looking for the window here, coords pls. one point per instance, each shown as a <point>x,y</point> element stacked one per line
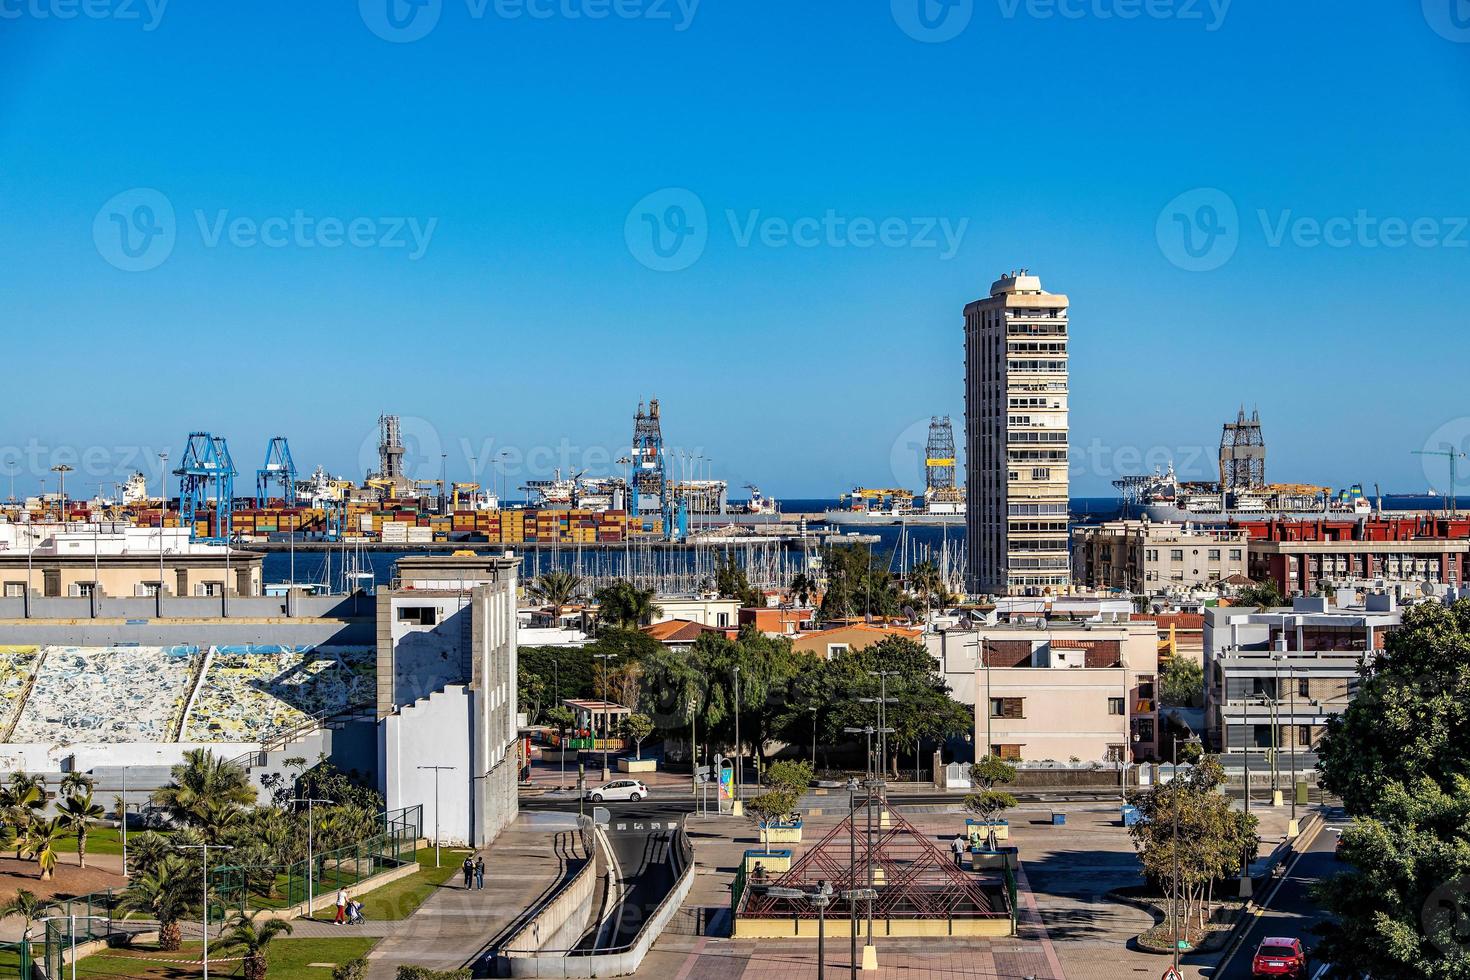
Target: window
<point>1176,554</point>
<point>836,650</point>
<point>1145,729</point>
<point>15,590</point>
<point>1304,735</point>
<point>83,589</point>
<point>149,589</point>
<point>1007,708</point>
<point>721,620</point>
<point>1235,554</point>
<point>1041,473</point>
<point>418,615</point>
<point>1116,706</point>
<point>210,589</point>
<point>1010,753</point>
<point>1303,688</point>
<point>1214,554</point>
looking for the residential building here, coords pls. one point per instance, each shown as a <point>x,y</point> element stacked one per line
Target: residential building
<point>1148,558</point>
<point>680,634</point>
<point>837,640</point>
<point>777,620</point>
<point>708,610</point>
<point>1055,690</point>
<point>1408,554</point>
<point>1016,438</point>
<point>1274,678</point>
<point>122,561</point>
<point>446,681</point>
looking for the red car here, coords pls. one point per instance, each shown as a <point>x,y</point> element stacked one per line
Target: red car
<point>1280,957</point>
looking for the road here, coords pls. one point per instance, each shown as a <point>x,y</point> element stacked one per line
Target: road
<point>1290,910</point>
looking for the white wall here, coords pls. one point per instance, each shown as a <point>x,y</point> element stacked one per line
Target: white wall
<point>432,732</point>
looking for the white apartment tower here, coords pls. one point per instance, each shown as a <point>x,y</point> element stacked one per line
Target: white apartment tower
<point>1016,438</point>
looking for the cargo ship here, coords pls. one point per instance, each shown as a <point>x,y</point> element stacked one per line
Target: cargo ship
<point>867,505</point>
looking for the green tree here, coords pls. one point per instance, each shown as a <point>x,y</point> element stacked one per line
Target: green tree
<point>989,803</point>
<point>25,904</point>
<point>1266,595</point>
<point>163,893</point>
<point>561,719</point>
<point>203,777</point>
<point>251,939</point>
<point>625,605</point>
<point>21,802</point>
<point>41,842</point>
<point>1397,758</point>
<point>767,808</point>
<point>531,690</point>
<point>731,583</point>
<point>76,814</point>
<point>556,588</point>
<point>637,726</point>
<point>857,584</point>
<point>77,784</point>
<point>803,586</point>
<point>1182,682</point>
<point>788,775</point>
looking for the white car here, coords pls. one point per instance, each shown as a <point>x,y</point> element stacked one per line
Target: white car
<point>619,789</point>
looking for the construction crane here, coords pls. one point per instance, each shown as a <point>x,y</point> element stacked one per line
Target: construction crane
<point>1452,503</point>
<point>470,488</point>
<point>279,468</point>
<point>207,462</point>
<point>649,479</point>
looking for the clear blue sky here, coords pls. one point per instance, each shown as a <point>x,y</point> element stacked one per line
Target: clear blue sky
<point>528,320</point>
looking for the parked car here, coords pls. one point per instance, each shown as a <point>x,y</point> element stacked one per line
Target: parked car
<point>1280,957</point>
<point>619,789</point>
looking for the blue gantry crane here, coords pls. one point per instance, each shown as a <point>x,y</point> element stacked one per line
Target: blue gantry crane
<point>648,483</point>
<point>278,469</point>
<point>207,464</point>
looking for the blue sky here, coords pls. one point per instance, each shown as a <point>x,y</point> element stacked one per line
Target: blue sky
<point>466,211</point>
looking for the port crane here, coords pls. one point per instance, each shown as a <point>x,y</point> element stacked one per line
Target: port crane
<point>278,468</point>
<point>1452,503</point>
<point>206,462</point>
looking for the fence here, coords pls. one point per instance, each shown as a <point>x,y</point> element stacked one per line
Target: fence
<point>247,889</point>
<point>93,918</point>
<point>15,959</point>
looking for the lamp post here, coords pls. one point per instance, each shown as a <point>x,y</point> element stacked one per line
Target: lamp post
<point>125,823</point>
<point>204,850</point>
<point>815,710</point>
<point>162,513</point>
<point>62,469</point>
<point>739,749</point>
<point>818,900</point>
<point>437,770</point>
<point>310,855</point>
<point>1174,889</point>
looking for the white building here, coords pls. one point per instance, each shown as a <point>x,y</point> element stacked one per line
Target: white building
<point>1016,438</point>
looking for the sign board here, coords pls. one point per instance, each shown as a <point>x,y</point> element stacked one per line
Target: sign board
<point>601,815</point>
<point>1172,974</point>
<point>727,782</point>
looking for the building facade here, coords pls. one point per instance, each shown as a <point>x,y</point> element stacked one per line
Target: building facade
<point>81,561</point>
<point>1016,379</point>
<point>1274,678</point>
<point>1148,558</point>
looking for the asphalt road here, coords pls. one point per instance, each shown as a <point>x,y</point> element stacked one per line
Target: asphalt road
<point>1290,911</point>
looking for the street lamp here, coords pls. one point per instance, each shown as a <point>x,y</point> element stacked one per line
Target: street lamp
<point>739,749</point>
<point>437,770</point>
<point>204,850</point>
<point>310,856</point>
<point>606,716</point>
<point>818,900</point>
<point>63,470</point>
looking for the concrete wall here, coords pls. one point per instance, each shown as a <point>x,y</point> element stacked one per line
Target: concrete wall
<point>435,731</point>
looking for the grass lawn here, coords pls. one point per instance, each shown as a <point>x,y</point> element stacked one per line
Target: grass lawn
<point>400,899</point>
<point>289,960</point>
<point>100,840</point>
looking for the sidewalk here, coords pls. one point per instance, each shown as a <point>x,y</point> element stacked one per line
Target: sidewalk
<point>452,928</point>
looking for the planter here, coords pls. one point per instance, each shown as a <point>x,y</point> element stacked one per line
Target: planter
<point>984,859</point>
<point>777,861</point>
<point>976,829</point>
<point>783,832</point>
<point>637,765</point>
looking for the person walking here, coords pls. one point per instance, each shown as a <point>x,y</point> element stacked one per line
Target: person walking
<point>958,847</point>
<point>479,874</point>
<point>469,872</point>
<point>341,906</point>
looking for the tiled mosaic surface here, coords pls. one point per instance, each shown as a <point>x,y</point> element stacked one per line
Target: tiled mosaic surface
<point>17,664</point>
<point>108,694</point>
<point>251,692</point>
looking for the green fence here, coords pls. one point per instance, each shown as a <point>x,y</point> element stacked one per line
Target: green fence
<point>93,917</point>
<point>247,889</point>
<point>15,959</point>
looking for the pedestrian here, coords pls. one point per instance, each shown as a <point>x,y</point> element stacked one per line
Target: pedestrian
<point>479,874</point>
<point>958,847</point>
<point>469,871</point>
<point>341,906</point>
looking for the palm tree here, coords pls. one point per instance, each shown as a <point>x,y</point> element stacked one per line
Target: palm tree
<point>802,586</point>
<point>624,604</point>
<point>251,941</point>
<point>26,905</point>
<point>77,783</point>
<point>556,588</point>
<point>203,777</point>
<point>216,816</point>
<point>21,803</point>
<point>77,813</point>
<point>40,842</point>
<point>146,851</point>
<point>163,893</point>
